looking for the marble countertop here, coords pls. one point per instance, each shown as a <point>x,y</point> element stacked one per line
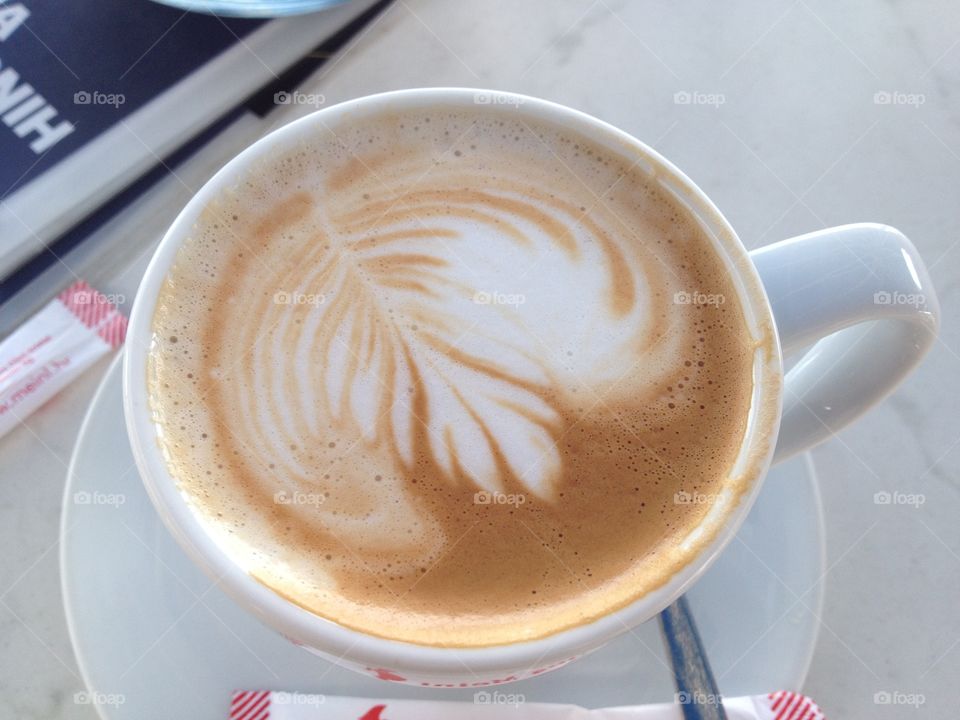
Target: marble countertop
<point>792,116</point>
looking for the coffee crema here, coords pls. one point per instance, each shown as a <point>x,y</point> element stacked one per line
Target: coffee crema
<point>451,376</point>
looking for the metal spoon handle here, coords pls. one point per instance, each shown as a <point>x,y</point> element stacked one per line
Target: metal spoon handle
<point>697,691</point>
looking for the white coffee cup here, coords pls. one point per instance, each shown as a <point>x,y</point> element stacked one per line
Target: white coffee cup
<point>860,294</point>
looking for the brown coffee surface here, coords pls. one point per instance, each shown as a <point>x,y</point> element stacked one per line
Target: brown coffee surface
<point>451,376</point>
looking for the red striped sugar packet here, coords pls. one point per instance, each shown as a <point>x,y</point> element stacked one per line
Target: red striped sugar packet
<point>496,704</point>
<point>53,347</point>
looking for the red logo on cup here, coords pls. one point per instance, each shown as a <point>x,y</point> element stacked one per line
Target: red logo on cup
<point>384,674</point>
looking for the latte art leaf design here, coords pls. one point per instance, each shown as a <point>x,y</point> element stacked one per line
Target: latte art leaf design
<point>453,330</point>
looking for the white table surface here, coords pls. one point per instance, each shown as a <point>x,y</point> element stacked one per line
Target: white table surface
<point>798,143</point>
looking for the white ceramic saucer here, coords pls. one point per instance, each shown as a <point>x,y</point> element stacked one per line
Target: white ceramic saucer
<point>155,638</point>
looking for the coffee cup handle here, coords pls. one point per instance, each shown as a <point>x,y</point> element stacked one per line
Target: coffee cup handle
<point>862,296</point>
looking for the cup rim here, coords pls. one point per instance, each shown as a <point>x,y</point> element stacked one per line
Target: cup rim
<point>315,632</point>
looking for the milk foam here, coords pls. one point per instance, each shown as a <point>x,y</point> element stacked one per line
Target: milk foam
<point>440,376</point>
